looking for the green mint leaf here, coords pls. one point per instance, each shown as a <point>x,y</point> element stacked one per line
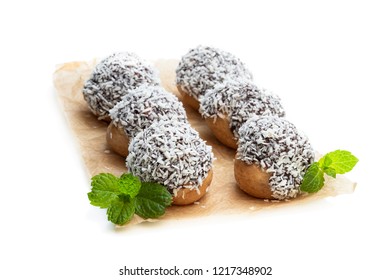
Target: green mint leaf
<point>330,171</point>
<point>105,189</point>
<point>341,161</point>
<point>313,180</point>
<point>129,184</point>
<point>152,200</point>
<point>324,162</point>
<point>121,210</point>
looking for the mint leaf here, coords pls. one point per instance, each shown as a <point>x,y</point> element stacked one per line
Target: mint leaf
<point>341,161</point>
<point>129,184</point>
<point>330,171</point>
<point>152,200</point>
<point>324,162</point>
<point>105,189</point>
<point>313,180</point>
<point>105,181</point>
<point>121,211</point>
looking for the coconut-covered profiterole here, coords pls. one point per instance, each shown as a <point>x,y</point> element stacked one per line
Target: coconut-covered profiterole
<point>172,154</point>
<point>138,110</point>
<point>112,78</point>
<point>230,104</point>
<point>272,157</point>
<point>204,67</point>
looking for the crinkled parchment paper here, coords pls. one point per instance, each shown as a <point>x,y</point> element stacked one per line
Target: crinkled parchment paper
<point>223,196</point>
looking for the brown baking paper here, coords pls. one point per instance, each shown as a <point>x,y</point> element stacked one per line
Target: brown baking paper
<point>223,195</point>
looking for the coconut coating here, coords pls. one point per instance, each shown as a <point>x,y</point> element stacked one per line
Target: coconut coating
<point>277,147</point>
<point>113,77</point>
<point>239,101</point>
<point>170,153</point>
<point>142,106</point>
<point>204,67</point>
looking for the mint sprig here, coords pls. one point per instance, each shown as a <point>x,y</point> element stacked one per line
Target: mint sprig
<point>127,195</point>
<point>333,163</point>
<point>121,211</point>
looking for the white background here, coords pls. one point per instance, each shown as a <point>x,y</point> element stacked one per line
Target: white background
<point>330,64</point>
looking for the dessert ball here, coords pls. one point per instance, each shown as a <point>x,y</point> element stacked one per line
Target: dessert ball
<point>272,157</point>
<point>171,153</point>
<point>112,78</point>
<point>204,67</point>
<point>230,104</point>
<point>138,110</point>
